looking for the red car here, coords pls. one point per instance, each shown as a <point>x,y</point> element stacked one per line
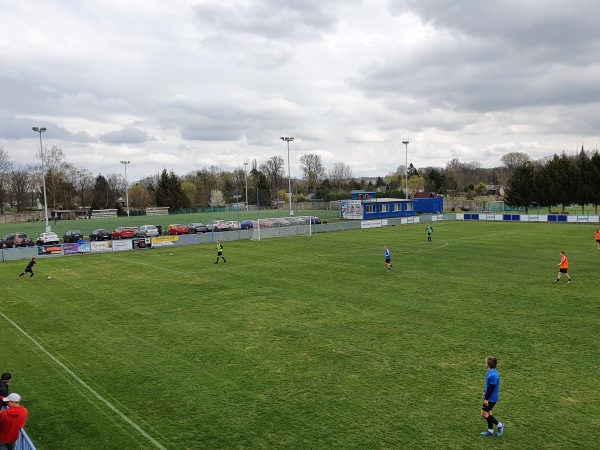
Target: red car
<point>123,233</point>
<point>179,228</point>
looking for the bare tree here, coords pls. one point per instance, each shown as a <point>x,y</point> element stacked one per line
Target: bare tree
<point>83,180</point>
<point>5,170</point>
<point>513,160</point>
<point>313,170</point>
<point>274,172</point>
<point>21,182</point>
<point>340,176</point>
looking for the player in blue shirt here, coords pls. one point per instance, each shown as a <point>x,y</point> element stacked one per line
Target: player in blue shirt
<point>388,258</point>
<point>491,396</point>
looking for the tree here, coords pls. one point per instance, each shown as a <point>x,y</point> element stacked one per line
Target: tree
<point>169,191</point>
<point>513,160</point>
<point>262,192</point>
<point>216,199</point>
<point>340,176</point>
<point>595,180</point>
<point>5,174</point>
<point>586,172</point>
<point>521,191</point>
<point>274,172</point>
<point>415,184</point>
<point>21,183</point>
<point>103,197</point>
<point>189,190</point>
<point>480,188</point>
<point>139,197</point>
<point>84,183</point>
<point>434,180</point>
<point>313,170</point>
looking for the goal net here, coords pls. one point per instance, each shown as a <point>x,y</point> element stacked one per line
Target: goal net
<point>281,227</point>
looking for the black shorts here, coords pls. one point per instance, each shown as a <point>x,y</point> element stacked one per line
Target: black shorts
<point>28,270</point>
<point>489,406</point>
<point>563,270</point>
<point>219,253</point>
<point>387,260</point>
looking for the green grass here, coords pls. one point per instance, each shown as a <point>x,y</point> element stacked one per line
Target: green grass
<point>308,342</point>
<point>33,229</point>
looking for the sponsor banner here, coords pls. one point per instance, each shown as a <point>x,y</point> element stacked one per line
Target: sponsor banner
<point>50,250</point>
<point>122,245</point>
<point>101,246</point>
<point>584,219</point>
<point>370,224</point>
<point>490,217</point>
<point>351,209</point>
<point>164,241</point>
<point>142,242</point>
<point>411,220</point>
<point>74,249</point>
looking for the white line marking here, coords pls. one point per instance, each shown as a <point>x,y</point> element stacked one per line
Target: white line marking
<point>85,385</point>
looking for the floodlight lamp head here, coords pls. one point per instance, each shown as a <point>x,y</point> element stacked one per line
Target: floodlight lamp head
<point>405,142</point>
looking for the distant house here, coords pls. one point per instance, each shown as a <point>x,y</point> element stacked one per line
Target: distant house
<point>495,189</point>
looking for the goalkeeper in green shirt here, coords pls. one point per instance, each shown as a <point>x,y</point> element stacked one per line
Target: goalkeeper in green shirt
<point>429,231</point>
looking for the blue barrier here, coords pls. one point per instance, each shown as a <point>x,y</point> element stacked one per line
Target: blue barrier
<point>24,443</point>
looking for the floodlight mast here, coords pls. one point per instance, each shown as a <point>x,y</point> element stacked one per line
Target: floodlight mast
<point>406,168</point>
<point>288,140</point>
<point>41,130</point>
<point>126,185</point>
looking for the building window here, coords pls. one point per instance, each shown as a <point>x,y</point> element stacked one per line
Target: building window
<point>410,206</point>
<point>385,208</point>
<point>370,209</point>
<point>397,207</point>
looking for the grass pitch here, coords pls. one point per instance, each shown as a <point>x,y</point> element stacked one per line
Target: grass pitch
<point>308,342</point>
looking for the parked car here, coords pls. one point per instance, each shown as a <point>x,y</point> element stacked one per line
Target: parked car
<point>233,224</point>
<point>247,224</point>
<point>313,220</point>
<point>100,234</point>
<point>123,233</point>
<point>178,228</point>
<point>197,227</point>
<point>72,236</point>
<point>47,239</point>
<point>147,231</point>
<point>15,240</point>
<point>281,222</point>
<point>218,225</point>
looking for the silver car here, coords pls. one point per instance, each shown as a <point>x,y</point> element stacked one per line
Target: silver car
<point>148,231</point>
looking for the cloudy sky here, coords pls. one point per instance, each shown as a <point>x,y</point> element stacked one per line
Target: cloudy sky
<point>186,84</point>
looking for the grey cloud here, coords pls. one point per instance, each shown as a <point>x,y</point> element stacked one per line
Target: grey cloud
<point>128,135</point>
<point>276,20</point>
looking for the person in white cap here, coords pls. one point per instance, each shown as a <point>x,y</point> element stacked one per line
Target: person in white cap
<point>11,421</point>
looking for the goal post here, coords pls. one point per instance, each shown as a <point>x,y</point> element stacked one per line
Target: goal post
<point>282,227</point>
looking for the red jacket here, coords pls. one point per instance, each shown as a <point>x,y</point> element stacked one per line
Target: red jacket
<point>11,422</point>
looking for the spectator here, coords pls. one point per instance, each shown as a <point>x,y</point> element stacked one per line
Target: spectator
<point>11,421</point>
<point>4,380</point>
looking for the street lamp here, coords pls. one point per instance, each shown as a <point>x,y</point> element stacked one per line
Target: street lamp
<point>126,185</point>
<point>288,140</point>
<point>41,130</point>
<point>406,166</point>
<point>246,173</point>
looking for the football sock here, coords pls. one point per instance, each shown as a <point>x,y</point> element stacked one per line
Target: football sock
<point>493,420</point>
